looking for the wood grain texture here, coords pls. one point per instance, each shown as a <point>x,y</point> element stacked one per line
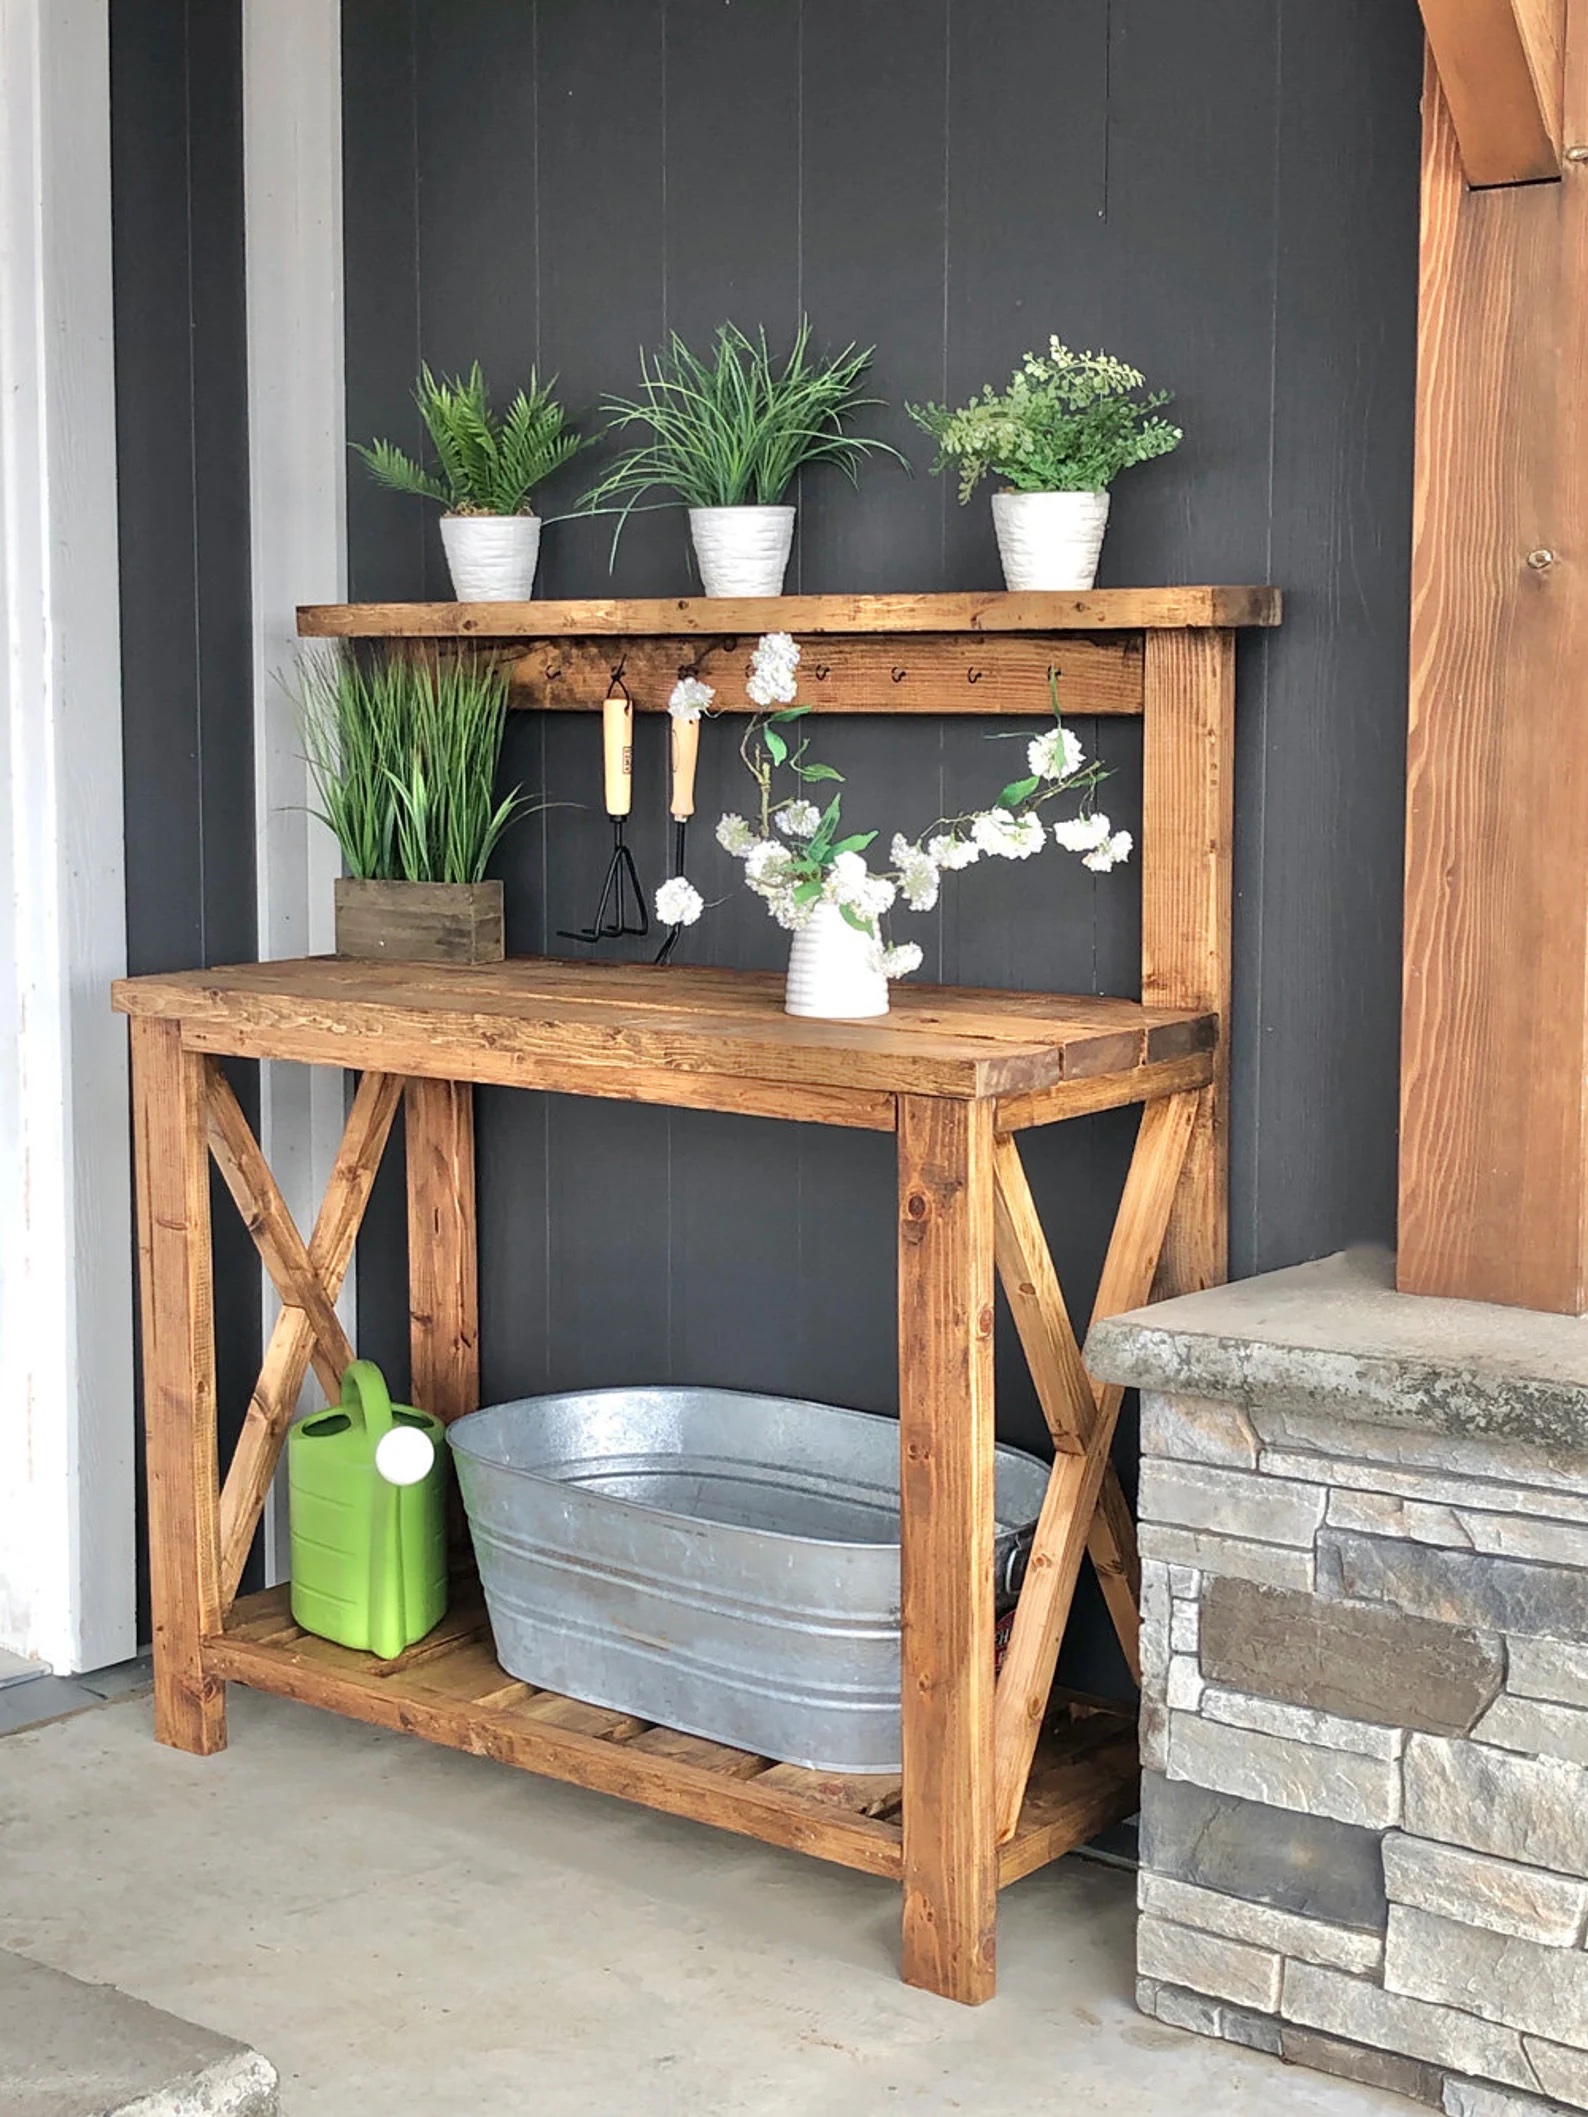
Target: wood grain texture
<point>1501,69</point>
<point>669,617</point>
<point>1069,1405</point>
<point>419,922</point>
<point>1188,828</point>
<point>448,1688</point>
<point>443,1256</point>
<point>275,1395</point>
<point>523,1021</point>
<point>169,1123</point>
<point>1073,1516</point>
<point>994,673</point>
<point>946,1511</point>
<point>1494,1146</point>
<point>275,1236</point>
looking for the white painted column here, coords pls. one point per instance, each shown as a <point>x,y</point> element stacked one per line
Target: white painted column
<point>292,177</point>
<point>66,1387</point>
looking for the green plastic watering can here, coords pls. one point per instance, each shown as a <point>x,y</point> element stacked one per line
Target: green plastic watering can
<point>366,1486</point>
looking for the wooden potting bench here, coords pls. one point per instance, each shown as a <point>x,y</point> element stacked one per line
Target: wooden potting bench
<point>1000,1775</point>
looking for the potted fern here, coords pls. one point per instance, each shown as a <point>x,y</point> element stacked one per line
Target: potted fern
<point>1060,434</point>
<point>403,752</point>
<point>728,431</point>
<point>488,468</point>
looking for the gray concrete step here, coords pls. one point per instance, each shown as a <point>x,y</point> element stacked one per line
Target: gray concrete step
<point>70,2049</point>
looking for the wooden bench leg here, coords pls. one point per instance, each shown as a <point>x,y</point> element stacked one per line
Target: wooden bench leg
<point>443,1256</point>
<point>946,1457</point>
<point>170,1113</point>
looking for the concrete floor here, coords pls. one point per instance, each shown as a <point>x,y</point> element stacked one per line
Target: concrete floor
<point>407,1932</point>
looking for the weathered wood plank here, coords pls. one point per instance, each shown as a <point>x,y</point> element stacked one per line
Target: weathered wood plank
<point>996,673</point>
<point>1101,610</point>
<point>1188,827</point>
<point>945,1164</point>
<point>443,1264</point>
<point>419,922</point>
<point>169,1124</point>
<point>1501,65</point>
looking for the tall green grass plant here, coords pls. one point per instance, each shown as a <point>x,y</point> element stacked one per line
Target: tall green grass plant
<point>403,752</point>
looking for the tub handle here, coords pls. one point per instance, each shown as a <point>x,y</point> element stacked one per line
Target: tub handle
<point>1019,1557</point>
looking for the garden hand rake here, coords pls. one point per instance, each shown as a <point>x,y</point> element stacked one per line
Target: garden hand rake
<point>621,910</point>
<point>686,750</point>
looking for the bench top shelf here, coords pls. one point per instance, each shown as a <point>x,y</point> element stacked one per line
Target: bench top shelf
<point>671,1033</point>
<point>1101,610</point>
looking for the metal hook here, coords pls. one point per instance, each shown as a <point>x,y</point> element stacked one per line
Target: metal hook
<point>899,675</point>
<point>821,672</point>
<point>973,676</point>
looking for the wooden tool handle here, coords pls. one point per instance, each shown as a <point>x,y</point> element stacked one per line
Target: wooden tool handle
<point>686,749</point>
<point>617,739</point>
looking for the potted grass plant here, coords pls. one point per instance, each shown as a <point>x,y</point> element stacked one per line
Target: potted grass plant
<point>488,466</point>
<point>728,431</point>
<point>403,752</point>
<point>1060,434</point>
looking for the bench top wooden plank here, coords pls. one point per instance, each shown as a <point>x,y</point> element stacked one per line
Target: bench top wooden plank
<point>1100,610</point>
<point>938,1040</point>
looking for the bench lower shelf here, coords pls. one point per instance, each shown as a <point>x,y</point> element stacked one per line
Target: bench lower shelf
<point>449,1688</point>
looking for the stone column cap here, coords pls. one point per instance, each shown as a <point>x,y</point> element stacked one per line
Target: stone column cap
<point>1334,1338</point>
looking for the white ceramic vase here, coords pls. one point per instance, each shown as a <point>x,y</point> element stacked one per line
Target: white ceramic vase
<point>492,557</point>
<point>1050,540</point>
<point>742,550</point>
<point>833,970</point>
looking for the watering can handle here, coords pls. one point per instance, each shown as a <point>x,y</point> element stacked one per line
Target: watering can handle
<point>364,1390</point>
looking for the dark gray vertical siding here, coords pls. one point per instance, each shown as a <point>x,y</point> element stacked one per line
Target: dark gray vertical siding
<point>182,466</point>
<point>1225,194</point>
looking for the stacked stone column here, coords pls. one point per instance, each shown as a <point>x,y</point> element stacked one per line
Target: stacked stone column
<point>1365,1708</point>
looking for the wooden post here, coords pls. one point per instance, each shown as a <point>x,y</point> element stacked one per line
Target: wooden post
<point>946,1467</point>
<point>443,1258</point>
<point>1188,828</point>
<point>1494,1137</point>
<point>1500,62</point>
<point>170,1115</point>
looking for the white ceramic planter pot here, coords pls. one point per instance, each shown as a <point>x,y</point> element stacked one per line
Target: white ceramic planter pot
<point>492,557</point>
<point>742,550</point>
<point>1050,539</point>
<point>833,973</point>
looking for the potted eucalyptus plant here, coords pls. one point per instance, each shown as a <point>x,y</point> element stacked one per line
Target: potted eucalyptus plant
<point>811,871</point>
<point>488,465</point>
<point>403,751</point>
<point>1059,436</point>
<point>728,431</point>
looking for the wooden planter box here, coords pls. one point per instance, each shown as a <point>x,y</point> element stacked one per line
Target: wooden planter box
<point>419,922</point>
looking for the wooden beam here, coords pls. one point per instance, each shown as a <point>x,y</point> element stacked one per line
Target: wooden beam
<point>443,1268</point>
<point>169,1114</point>
<point>1494,1142</point>
<point>1187,830</point>
<point>946,1507</point>
<point>1501,66</point>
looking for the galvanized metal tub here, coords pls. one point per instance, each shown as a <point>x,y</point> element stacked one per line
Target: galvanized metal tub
<point>720,1563</point>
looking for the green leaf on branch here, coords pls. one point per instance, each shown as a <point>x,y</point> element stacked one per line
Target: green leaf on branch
<point>791,713</point>
<point>811,772</point>
<point>857,920</point>
<point>808,891</point>
<point>857,844</point>
<point>1018,790</point>
<point>776,745</point>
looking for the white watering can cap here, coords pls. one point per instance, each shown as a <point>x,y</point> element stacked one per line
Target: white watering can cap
<point>405,1455</point>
